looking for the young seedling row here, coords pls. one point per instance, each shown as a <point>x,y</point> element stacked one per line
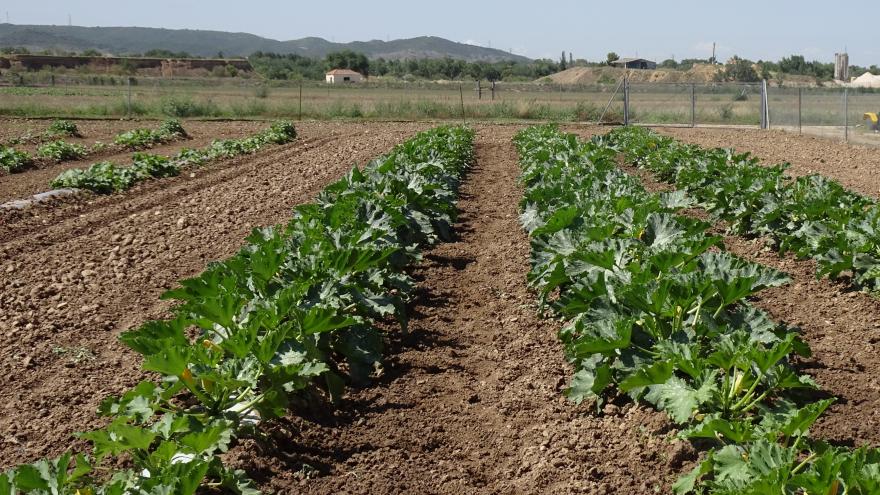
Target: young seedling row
<point>295,311</point>
<point>658,311</point>
<point>57,150</point>
<point>107,177</point>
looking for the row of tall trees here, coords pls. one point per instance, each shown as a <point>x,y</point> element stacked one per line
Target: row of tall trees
<point>736,69</point>
<point>276,66</point>
<point>745,70</point>
<point>290,66</point>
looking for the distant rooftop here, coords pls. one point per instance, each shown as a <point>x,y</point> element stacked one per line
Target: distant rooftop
<point>627,60</point>
<point>343,72</point>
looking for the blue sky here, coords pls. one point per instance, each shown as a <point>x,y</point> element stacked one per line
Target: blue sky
<point>767,29</point>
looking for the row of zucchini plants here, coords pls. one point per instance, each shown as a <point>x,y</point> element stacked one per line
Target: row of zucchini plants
<point>107,177</point>
<point>59,128</point>
<point>810,216</point>
<point>296,312</point>
<point>58,150</point>
<point>12,160</point>
<point>657,310</point>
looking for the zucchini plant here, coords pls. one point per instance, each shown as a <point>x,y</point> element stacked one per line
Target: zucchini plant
<point>169,130</point>
<point>62,127</point>
<point>655,309</point>
<point>106,177</point>
<point>12,160</point>
<point>61,150</point>
<point>810,216</point>
<point>297,308</point>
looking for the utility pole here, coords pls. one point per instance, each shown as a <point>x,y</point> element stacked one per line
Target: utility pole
<point>713,53</point>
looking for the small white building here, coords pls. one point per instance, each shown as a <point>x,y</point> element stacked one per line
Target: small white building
<point>337,76</point>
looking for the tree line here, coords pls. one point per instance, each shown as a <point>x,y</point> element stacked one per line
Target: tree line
<point>745,70</point>
<point>291,66</point>
<point>298,67</point>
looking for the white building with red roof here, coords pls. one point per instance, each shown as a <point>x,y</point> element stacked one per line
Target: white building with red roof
<point>337,76</point>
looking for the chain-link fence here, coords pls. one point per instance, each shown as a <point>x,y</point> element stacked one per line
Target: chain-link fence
<point>830,112</point>
<point>694,104</point>
<point>827,111</point>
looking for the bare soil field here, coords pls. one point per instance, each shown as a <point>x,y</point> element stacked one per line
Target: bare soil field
<point>35,180</point>
<point>854,166</point>
<point>68,289</point>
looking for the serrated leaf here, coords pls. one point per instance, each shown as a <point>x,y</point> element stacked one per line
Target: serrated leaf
<point>678,398</point>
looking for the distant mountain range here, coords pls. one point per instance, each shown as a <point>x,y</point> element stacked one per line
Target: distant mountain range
<point>126,40</point>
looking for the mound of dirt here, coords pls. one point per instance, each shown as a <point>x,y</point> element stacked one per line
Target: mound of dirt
<point>866,80</point>
<point>700,73</point>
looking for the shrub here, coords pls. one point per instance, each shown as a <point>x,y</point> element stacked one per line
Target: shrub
<point>186,107</point>
<point>726,112</point>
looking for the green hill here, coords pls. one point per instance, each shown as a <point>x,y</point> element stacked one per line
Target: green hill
<point>127,40</point>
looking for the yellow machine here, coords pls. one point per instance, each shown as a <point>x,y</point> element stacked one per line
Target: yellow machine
<point>872,122</point>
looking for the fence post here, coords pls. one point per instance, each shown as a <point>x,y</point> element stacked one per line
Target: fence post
<point>800,112</point>
<point>493,90</point>
<point>300,101</point>
<point>763,104</point>
<point>626,101</point>
<point>128,101</point>
<point>461,96</point>
<point>479,90</point>
<point>846,114</point>
<point>693,105</point>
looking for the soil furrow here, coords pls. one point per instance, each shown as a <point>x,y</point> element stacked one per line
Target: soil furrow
<point>471,400</point>
<point>64,304</point>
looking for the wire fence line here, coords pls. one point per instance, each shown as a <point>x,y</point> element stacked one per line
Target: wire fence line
<point>836,112</point>
<point>828,111</point>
